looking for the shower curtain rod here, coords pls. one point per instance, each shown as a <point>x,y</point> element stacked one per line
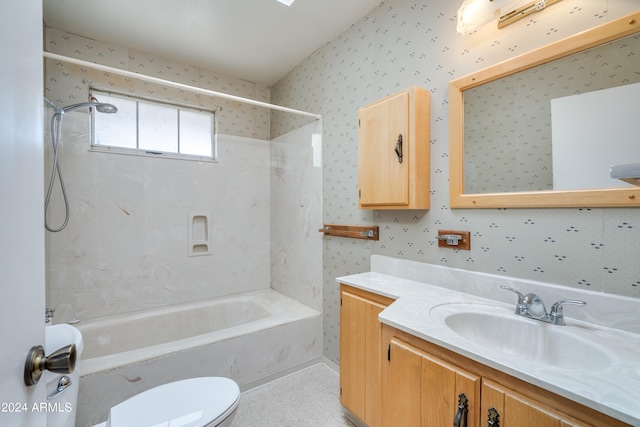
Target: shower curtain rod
<point>176,85</point>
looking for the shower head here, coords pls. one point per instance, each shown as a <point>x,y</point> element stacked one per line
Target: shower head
<point>56,134</point>
<point>106,108</point>
<point>100,107</point>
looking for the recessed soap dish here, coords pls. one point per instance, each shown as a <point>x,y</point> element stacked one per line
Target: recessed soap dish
<point>199,234</point>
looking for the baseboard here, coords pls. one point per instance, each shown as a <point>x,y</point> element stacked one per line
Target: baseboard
<point>321,360</point>
<point>354,419</point>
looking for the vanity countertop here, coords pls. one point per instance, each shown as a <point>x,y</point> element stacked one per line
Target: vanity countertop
<point>613,390</point>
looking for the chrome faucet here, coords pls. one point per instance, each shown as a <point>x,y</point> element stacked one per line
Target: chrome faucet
<point>532,306</point>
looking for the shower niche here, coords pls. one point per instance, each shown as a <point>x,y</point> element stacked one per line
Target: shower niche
<point>199,234</point>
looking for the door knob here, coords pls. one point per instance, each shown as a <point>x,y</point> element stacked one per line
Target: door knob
<point>61,361</point>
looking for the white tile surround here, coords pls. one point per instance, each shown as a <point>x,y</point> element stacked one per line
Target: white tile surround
<point>126,245</point>
<point>296,216</point>
<point>419,287</point>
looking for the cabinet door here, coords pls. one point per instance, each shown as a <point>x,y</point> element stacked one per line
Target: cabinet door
<point>516,410</point>
<point>422,390</point>
<point>443,386</point>
<point>382,179</point>
<point>401,396</point>
<point>360,335</point>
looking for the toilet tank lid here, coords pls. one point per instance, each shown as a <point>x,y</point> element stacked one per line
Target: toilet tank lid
<point>188,403</point>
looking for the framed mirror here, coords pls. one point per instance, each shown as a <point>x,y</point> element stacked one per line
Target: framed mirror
<point>541,129</point>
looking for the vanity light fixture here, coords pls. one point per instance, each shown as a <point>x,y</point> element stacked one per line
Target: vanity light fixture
<point>475,13</point>
<point>629,172</point>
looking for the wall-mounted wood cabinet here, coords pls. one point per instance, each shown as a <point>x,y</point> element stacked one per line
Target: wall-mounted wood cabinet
<point>393,152</point>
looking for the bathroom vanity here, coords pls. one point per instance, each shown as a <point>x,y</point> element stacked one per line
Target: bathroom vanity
<point>414,353</point>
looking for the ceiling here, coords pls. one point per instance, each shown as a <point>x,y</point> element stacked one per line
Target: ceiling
<point>255,40</point>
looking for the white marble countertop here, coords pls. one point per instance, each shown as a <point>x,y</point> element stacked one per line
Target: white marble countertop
<point>612,388</point>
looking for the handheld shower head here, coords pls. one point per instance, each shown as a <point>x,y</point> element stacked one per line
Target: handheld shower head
<point>100,107</point>
<point>56,131</point>
<point>105,108</point>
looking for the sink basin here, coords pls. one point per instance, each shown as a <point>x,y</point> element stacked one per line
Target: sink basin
<point>499,329</point>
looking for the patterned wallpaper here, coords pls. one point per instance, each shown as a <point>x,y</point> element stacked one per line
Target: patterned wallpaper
<point>414,42</point>
<point>68,84</point>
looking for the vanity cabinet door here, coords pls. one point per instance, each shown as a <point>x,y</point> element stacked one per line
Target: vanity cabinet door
<point>517,410</point>
<point>420,389</point>
<point>393,152</point>
<point>401,388</point>
<point>360,340</point>
<point>449,394</point>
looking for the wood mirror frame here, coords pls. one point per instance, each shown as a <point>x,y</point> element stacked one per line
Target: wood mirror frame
<point>614,197</point>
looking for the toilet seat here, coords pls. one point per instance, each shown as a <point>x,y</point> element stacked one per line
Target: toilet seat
<point>194,402</point>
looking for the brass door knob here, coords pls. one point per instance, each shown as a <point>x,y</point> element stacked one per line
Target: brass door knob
<point>62,361</point>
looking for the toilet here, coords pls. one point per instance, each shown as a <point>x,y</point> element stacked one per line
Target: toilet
<point>195,402</point>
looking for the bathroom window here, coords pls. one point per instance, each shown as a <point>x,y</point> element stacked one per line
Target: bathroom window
<point>150,128</point>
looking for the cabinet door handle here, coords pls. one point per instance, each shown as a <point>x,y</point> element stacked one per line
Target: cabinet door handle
<point>399,148</point>
<point>460,420</point>
<point>494,418</point>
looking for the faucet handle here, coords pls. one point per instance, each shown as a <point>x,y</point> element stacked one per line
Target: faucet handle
<point>521,307</point>
<point>556,315</point>
<point>515,291</point>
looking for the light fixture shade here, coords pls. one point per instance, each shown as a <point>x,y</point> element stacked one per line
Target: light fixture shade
<point>475,13</point>
<point>629,172</point>
<point>287,2</point>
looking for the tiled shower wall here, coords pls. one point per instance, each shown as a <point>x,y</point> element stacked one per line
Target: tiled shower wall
<point>296,214</point>
<point>414,42</point>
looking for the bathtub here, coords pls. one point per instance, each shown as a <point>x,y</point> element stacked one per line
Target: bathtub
<point>245,337</point>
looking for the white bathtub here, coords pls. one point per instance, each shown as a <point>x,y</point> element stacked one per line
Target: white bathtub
<point>244,337</point>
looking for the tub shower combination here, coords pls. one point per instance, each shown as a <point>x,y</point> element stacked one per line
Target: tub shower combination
<point>249,338</point>
<point>246,337</point>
